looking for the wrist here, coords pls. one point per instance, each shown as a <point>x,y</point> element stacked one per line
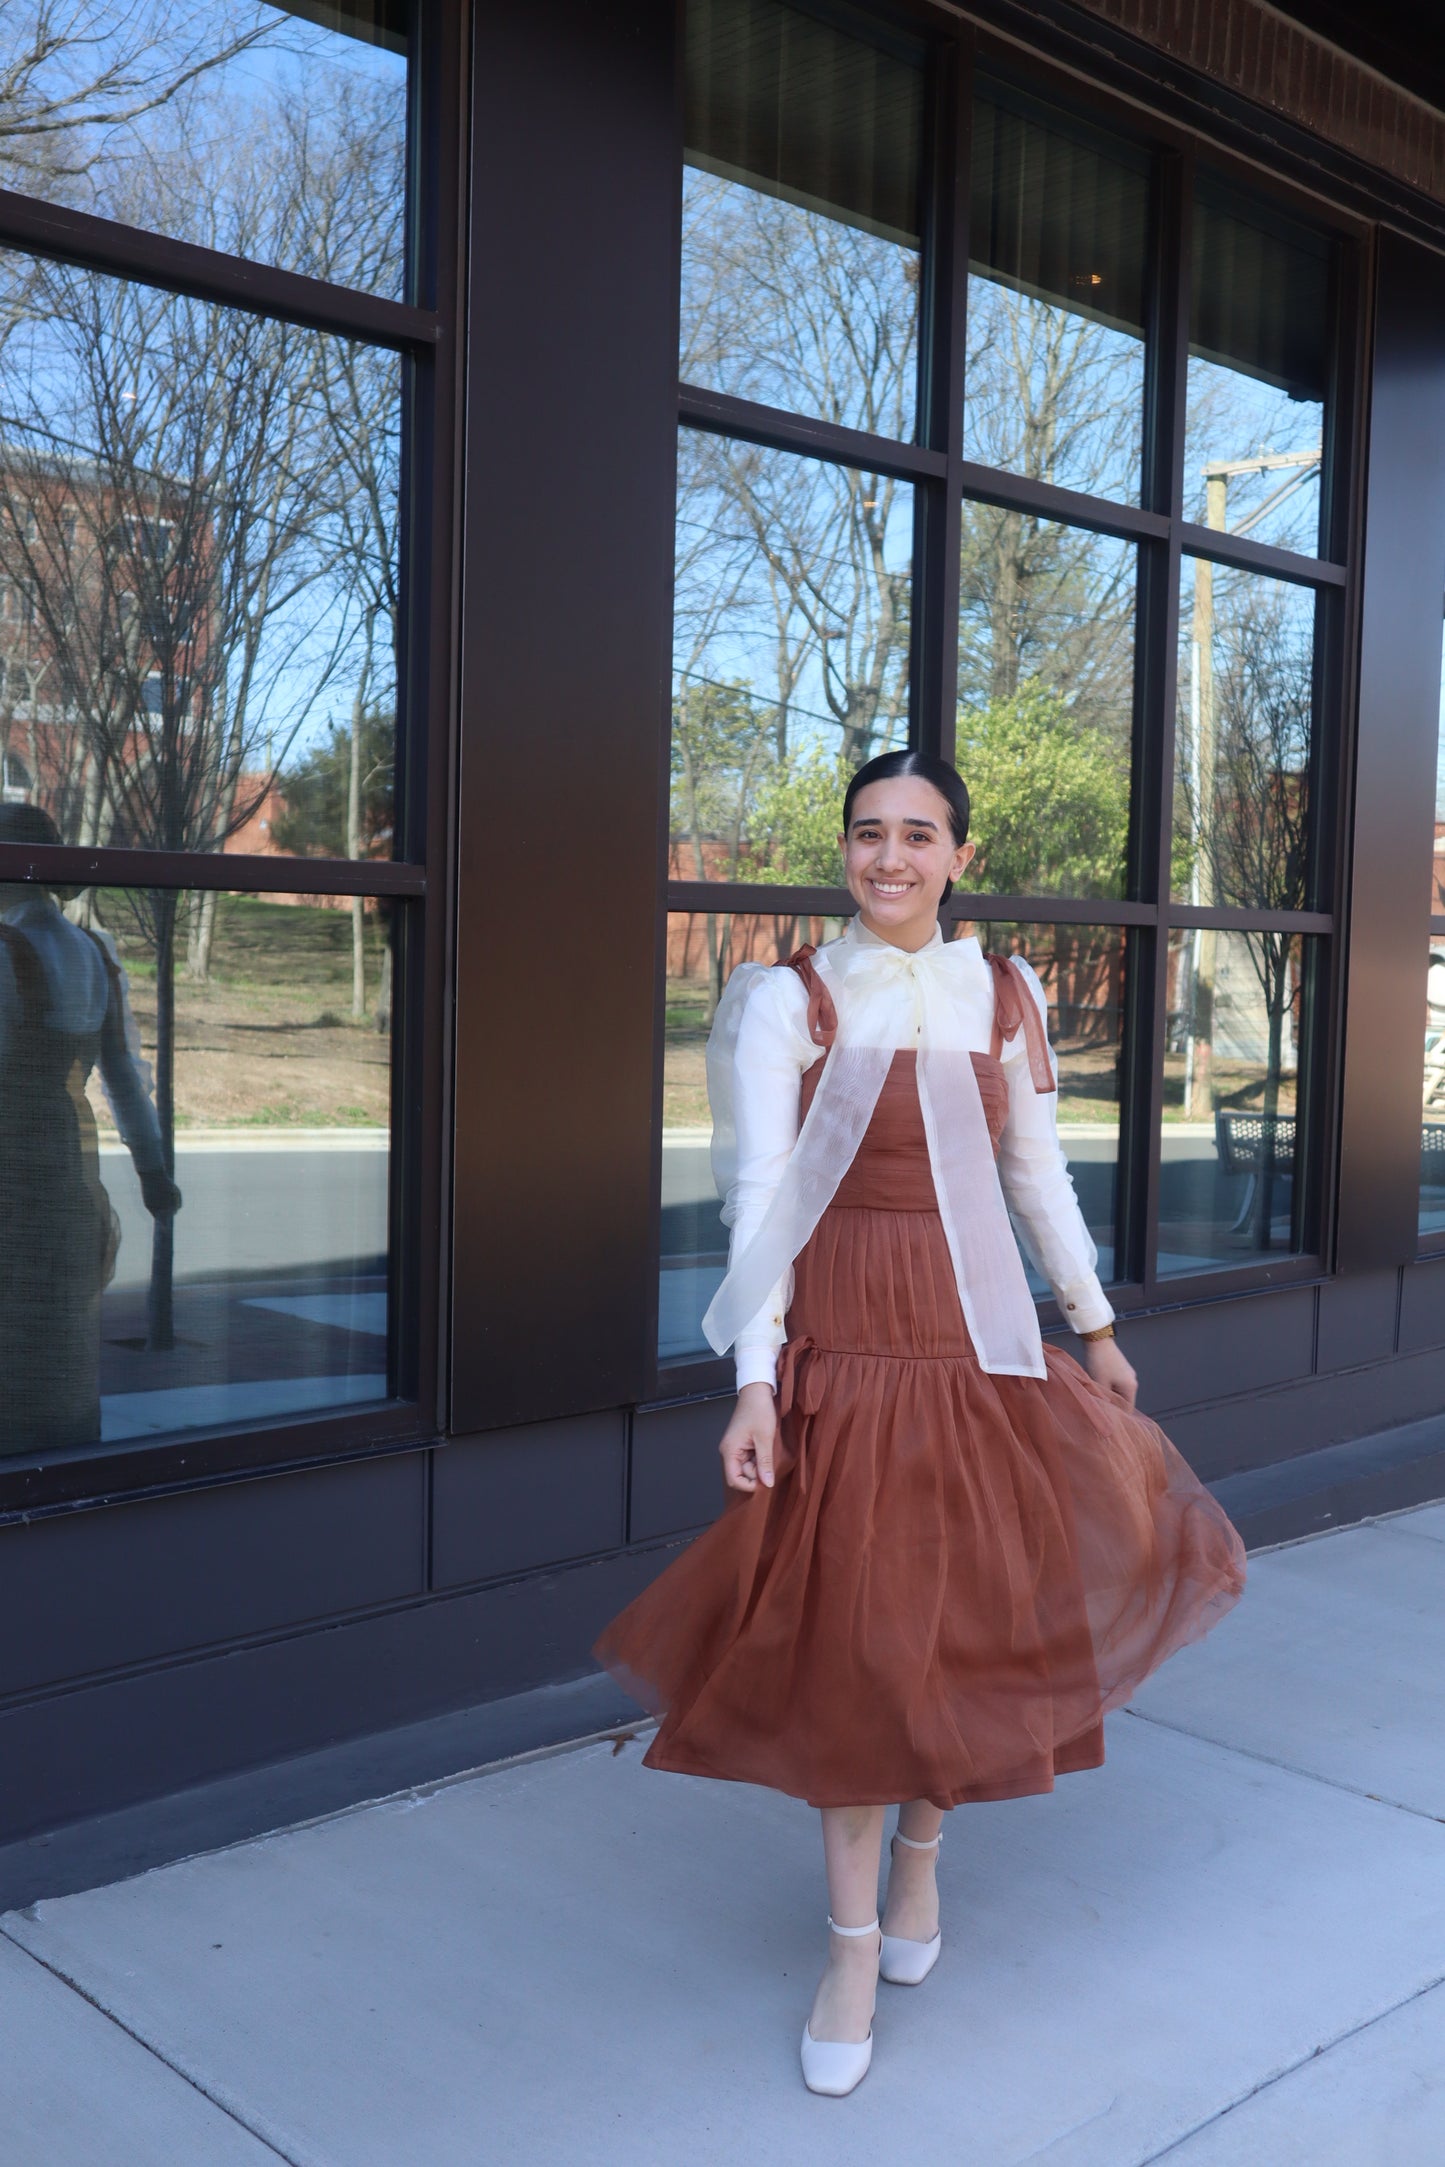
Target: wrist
<point>1099,1332</point>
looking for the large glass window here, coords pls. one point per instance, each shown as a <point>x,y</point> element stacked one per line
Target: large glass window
<point>194,1177</point>
<point>1260,355</point>
<point>273,129</point>
<point>1243,738</point>
<point>802,228</point>
<point>791,624</point>
<point>1056,302</point>
<point>1149,757</point>
<point>199,518</point>
<point>1046,701</point>
<point>1230,1137</point>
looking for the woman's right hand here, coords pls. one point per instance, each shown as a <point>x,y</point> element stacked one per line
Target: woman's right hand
<point>750,1438</point>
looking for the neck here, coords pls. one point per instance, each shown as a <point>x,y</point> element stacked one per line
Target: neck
<point>909,933</point>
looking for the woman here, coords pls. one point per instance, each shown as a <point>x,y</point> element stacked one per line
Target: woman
<point>948,1550</point>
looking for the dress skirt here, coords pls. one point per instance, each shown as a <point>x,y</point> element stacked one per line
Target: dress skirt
<point>956,1574</point>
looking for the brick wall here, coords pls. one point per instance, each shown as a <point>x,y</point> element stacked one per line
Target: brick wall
<point>1264,56</point>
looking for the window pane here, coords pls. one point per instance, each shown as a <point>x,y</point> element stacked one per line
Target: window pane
<point>198,570</point>
<point>1432,1128</point>
<point>801,228</point>
<point>702,952</point>
<point>1238,1015</point>
<point>1245,728</point>
<point>790,655</point>
<point>1082,970</point>
<point>266,1292</point>
<point>271,131</point>
<point>1259,364</point>
<point>1056,304</point>
<point>1045,703</point>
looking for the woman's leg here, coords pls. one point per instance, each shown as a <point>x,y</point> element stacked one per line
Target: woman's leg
<point>912,1908</point>
<point>843,2005</point>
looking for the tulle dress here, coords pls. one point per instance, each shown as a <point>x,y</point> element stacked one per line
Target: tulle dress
<point>956,1574</point>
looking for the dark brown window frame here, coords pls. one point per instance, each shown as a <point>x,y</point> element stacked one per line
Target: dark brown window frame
<point>426,336</point>
<point>943,479</point>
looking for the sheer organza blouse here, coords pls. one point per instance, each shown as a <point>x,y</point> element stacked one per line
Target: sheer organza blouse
<point>776,1174</point>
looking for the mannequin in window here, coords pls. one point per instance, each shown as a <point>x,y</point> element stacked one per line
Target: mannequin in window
<point>63,1012</point>
<point>948,1550</point>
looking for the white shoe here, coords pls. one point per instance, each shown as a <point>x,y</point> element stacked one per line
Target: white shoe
<point>908,1963</point>
<point>836,2067</point>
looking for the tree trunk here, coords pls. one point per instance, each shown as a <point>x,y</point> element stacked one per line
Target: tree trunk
<point>353,833</point>
<point>160,1320</point>
<point>200,931</point>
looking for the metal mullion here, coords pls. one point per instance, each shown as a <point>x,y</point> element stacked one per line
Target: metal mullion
<point>1437,925</point>
<point>205,274</point>
<point>1150,1020</point>
<point>1226,918</point>
<point>1050,910</point>
<point>936,637</point>
<point>67,864</point>
<point>1071,507</point>
<point>746,898</point>
<point>1267,1273</point>
<point>723,415</point>
<point>1244,555</point>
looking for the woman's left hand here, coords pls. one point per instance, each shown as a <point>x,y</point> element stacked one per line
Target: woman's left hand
<point>1110,1370</point>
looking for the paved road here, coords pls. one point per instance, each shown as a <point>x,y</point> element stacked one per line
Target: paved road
<point>262,1205</point>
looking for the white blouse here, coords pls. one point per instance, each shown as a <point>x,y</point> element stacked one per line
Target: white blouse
<point>773,1049</point>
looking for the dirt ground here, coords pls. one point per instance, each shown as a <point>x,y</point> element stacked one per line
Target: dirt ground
<point>268,1039</point>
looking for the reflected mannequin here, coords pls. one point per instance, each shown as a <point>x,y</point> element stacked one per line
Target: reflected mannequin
<point>63,1012</point>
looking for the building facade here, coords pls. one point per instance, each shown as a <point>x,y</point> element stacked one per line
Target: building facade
<point>584,435</point>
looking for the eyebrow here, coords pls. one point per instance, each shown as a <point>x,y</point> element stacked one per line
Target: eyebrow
<point>864,820</point>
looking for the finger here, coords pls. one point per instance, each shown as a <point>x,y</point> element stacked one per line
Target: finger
<point>763,1454</point>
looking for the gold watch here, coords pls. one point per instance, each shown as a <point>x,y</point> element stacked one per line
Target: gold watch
<point>1100,1331</point>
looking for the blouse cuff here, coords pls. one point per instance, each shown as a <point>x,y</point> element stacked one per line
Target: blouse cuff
<point>1084,1304</point>
<point>757,1365</point>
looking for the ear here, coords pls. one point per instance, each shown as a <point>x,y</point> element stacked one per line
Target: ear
<point>964,855</point>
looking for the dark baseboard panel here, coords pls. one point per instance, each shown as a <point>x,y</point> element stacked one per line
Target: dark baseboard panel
<point>1334,1487</point>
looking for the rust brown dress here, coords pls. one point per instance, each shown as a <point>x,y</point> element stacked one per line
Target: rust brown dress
<point>956,1574</point>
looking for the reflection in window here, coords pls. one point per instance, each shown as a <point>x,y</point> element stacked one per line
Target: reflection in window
<point>703,949</point>
<point>1082,970</point>
<point>276,132</point>
<point>790,641</point>
<point>1242,810</point>
<point>199,528</point>
<point>1258,373</point>
<point>1046,702</point>
<point>1237,1004</point>
<point>800,248</point>
<point>264,1292</point>
<point>1056,304</point>
<point>1432,1126</point>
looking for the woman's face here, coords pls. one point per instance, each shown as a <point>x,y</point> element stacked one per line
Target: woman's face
<point>897,854</point>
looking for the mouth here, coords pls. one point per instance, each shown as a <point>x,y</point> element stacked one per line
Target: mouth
<point>891,887</point>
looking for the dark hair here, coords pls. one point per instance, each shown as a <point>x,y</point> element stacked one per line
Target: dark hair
<point>27,824</point>
<point>946,780</point>
<point>32,824</point>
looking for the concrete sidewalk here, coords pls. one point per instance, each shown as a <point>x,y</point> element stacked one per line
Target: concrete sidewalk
<point>1225,1949</point>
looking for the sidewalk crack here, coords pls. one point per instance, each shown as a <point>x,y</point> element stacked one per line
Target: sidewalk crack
<point>1265,2084</point>
<point>74,1986</point>
<point>1288,1768</point>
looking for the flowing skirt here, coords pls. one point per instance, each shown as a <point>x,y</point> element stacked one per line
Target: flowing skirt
<point>955,1576</point>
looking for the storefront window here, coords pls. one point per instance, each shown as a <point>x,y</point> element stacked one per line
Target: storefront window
<point>801,247</point>
<point>1230,1141</point>
<point>270,129</point>
<point>1243,739</point>
<point>1056,303</point>
<point>199,544</point>
<point>1259,364</point>
<point>1046,702</point>
<point>792,610</point>
<point>257,1285</point>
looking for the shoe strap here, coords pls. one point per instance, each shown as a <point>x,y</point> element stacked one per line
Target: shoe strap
<point>910,1843</point>
<point>854,1932</point>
